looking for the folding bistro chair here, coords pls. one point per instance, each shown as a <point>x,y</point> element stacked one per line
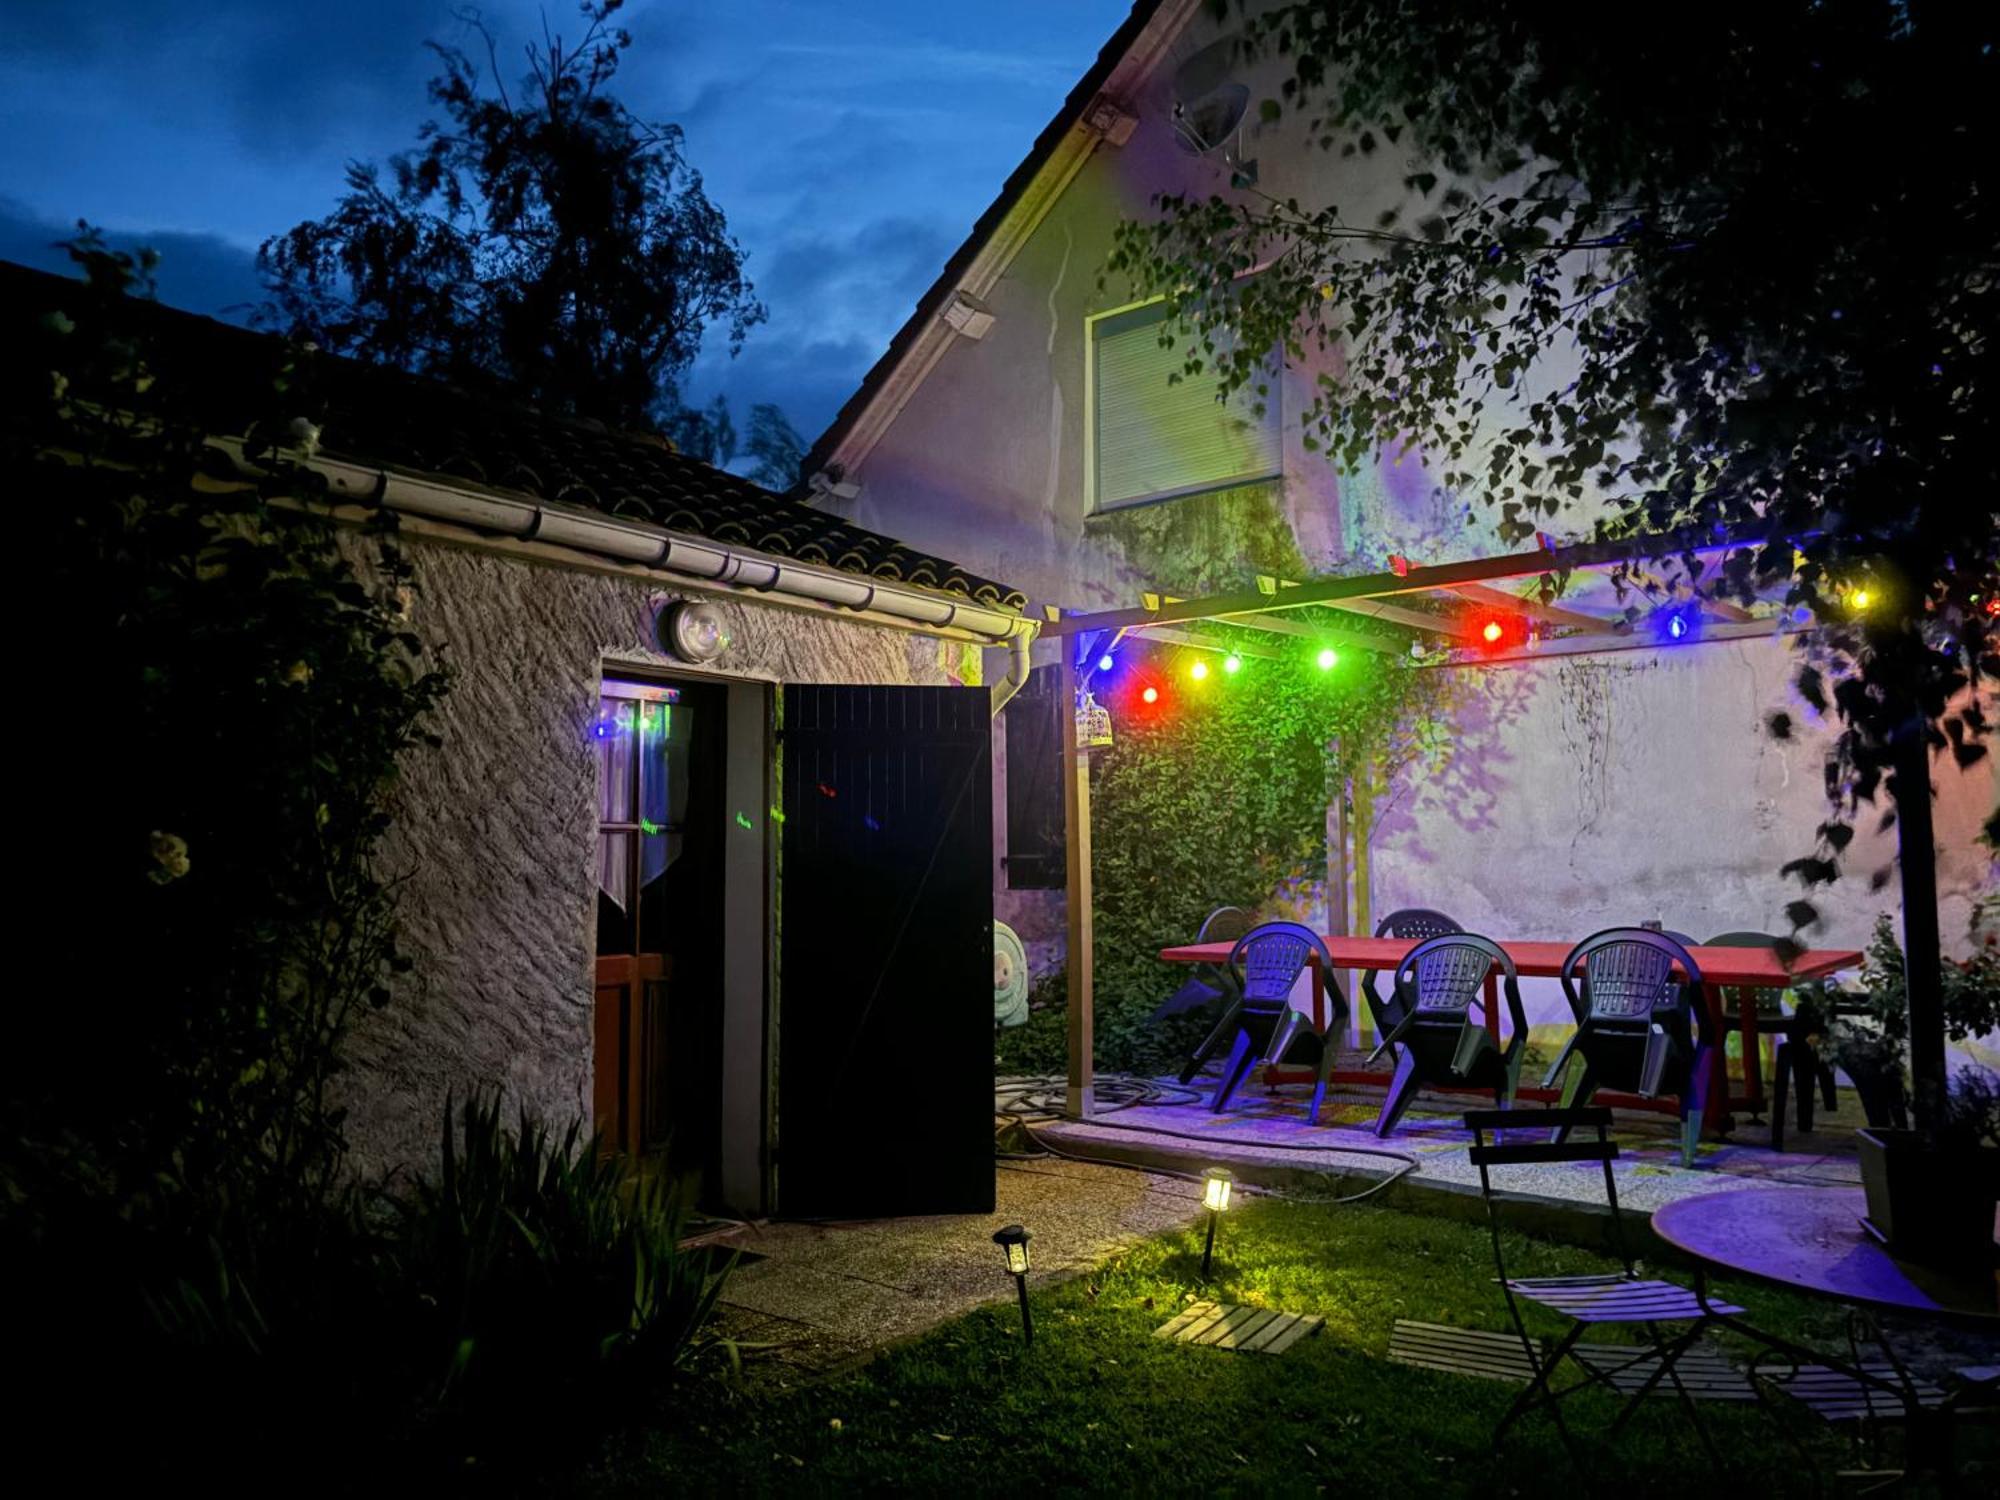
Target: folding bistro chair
<point>1211,982</point>
<point>1412,924</point>
<point>1441,1041</point>
<point>1638,1028</point>
<point>1266,964</point>
<point>1619,1297</point>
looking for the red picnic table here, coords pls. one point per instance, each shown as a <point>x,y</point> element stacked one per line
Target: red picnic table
<point>1744,970</point>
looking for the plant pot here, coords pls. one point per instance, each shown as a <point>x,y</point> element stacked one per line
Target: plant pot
<point>1930,1204</point>
<point>1880,1090</point>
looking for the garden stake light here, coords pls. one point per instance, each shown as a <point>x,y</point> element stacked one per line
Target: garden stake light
<point>1013,1242</point>
<point>1216,1182</point>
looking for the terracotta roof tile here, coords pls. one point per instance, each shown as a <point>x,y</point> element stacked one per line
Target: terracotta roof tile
<point>383,417</point>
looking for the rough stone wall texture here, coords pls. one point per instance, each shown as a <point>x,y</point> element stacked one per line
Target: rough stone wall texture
<point>495,832</point>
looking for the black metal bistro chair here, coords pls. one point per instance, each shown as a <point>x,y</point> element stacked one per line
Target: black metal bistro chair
<point>1412,924</point>
<point>1798,1060</point>
<point>1266,964</point>
<point>1209,983</point>
<point>1638,1028</point>
<point>1440,1040</point>
<point>1593,1301</point>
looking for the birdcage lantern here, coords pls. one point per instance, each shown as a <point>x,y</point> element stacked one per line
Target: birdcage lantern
<point>1093,723</point>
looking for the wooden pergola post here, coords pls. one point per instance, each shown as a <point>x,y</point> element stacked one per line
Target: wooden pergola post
<point>1079,1100</point>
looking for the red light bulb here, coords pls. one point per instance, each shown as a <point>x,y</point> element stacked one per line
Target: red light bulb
<point>1492,632</point>
<point>1151,695</point>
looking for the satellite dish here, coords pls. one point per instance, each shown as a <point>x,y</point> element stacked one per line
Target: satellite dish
<point>1010,977</point>
<point>1209,102</point>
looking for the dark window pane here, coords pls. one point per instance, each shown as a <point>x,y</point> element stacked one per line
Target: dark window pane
<point>1034,858</point>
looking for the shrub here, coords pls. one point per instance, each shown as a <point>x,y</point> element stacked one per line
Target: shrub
<point>544,1273</point>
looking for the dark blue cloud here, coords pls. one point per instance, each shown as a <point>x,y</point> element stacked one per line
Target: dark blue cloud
<point>851,145</point>
<point>200,272</point>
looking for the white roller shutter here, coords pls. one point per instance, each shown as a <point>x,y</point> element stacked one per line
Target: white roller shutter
<point>1153,439</point>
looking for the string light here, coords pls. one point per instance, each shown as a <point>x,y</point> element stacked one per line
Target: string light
<point>1860,599</point>
<point>1232,663</point>
<point>1151,695</point>
<point>1105,663</point>
<point>1492,632</point>
<point>1327,658</point>
<point>1199,671</point>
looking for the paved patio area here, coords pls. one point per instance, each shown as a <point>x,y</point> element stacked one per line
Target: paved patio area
<point>821,1295</point>
<point>1262,1134</point>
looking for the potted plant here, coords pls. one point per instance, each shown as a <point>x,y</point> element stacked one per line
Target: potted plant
<point>1931,1194</point>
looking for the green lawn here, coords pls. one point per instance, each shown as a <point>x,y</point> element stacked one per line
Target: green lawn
<point>1100,1405</point>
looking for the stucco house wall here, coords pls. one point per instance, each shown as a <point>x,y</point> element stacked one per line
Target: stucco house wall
<point>1675,805</point>
<point>494,833</point>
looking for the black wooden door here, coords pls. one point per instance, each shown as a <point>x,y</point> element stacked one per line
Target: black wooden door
<point>885,953</point>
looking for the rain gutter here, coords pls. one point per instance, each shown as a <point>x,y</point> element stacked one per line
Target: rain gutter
<point>677,557</point>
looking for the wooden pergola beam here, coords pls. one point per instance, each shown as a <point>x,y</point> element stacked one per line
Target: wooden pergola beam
<point>1534,609</point>
<point>1200,642</point>
<point>1332,591</point>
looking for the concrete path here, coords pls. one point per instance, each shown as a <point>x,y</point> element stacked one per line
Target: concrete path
<point>823,1294</point>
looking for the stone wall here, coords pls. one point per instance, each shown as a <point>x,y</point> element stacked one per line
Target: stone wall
<point>495,832</point>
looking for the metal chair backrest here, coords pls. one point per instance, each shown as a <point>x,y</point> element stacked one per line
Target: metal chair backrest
<point>1627,975</point>
<point>1742,940</point>
<point>1416,923</point>
<point>1541,1151</point>
<point>1445,974</point>
<point>1225,924</point>
<point>1269,959</point>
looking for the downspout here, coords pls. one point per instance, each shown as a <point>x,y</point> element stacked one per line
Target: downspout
<point>1019,647</point>
<point>696,560</point>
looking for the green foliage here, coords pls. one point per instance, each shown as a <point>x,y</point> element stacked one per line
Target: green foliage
<point>555,248</point>
<point>1872,1032</point>
<point>542,1273</point>
<point>1222,802</point>
<point>222,730</point>
<point>229,743</point>
<point>1101,1406</point>
<point>1728,277</point>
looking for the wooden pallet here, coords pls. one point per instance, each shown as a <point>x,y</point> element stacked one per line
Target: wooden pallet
<point>1461,1351</point>
<point>1705,1372</point>
<point>1248,1330</point>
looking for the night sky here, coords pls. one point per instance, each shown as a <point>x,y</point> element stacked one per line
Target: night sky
<point>850,142</point>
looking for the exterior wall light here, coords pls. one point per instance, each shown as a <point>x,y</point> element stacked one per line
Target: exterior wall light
<point>1215,1185</point>
<point>1013,1243</point>
<point>695,632</point>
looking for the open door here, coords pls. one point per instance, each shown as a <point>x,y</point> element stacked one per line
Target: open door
<point>885,1010</point>
<point>658,1004</point>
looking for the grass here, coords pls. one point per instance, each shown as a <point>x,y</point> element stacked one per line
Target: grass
<point>1100,1405</point>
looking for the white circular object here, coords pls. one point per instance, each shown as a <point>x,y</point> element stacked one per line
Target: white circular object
<point>1010,977</point>
<point>694,632</point>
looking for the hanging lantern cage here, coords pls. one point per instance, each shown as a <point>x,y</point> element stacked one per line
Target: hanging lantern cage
<point>1093,723</point>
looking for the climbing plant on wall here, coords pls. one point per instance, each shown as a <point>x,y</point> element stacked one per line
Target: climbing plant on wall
<point>1216,794</point>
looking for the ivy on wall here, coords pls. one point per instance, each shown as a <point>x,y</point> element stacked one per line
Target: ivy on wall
<point>1218,796</point>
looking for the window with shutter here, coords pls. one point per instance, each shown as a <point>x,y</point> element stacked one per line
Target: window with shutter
<point>1153,438</point>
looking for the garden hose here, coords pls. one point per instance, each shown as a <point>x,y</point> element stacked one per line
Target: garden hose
<point>1027,1101</point>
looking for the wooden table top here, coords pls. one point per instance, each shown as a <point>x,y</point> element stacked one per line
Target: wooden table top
<point>1749,968</point>
<point>1811,1240</point>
